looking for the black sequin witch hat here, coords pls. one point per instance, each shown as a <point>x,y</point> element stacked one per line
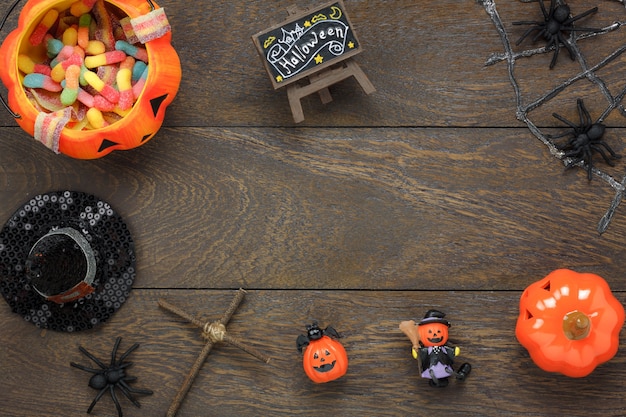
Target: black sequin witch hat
<point>67,261</point>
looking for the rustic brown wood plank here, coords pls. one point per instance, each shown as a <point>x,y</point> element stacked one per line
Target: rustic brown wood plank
<point>426,60</point>
<point>382,377</point>
<point>364,208</point>
<point>239,92</point>
<point>428,193</point>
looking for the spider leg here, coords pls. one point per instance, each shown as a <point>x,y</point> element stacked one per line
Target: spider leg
<point>117,403</point>
<point>126,390</point>
<point>93,358</point>
<point>604,156</point>
<point>542,33</point>
<point>128,395</point>
<point>528,22</point>
<point>608,148</point>
<point>128,352</point>
<point>547,14</point>
<point>583,113</point>
<point>573,154</point>
<point>587,160</point>
<point>565,146</point>
<point>583,29</point>
<point>95,400</point>
<point>560,135</point>
<point>567,45</point>
<point>564,120</point>
<point>573,163</point>
<point>576,159</point>
<point>134,390</point>
<point>85,368</point>
<point>555,55</point>
<point>528,32</point>
<point>580,16</point>
<point>114,351</point>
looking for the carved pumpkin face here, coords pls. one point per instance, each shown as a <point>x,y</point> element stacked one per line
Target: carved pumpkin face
<point>325,360</point>
<point>136,127</point>
<point>433,334</point>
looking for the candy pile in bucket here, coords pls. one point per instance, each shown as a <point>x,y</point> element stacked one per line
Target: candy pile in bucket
<point>84,65</point>
<point>87,64</point>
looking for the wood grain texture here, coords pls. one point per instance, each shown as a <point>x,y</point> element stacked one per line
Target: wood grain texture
<point>382,377</point>
<point>429,193</point>
<point>356,209</point>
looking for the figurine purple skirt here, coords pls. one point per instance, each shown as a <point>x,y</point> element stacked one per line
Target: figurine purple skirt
<point>438,370</point>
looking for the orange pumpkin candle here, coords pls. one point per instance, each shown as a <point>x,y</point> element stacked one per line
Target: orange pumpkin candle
<point>569,322</point>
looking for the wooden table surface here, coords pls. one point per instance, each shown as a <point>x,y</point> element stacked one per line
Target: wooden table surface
<point>433,192</point>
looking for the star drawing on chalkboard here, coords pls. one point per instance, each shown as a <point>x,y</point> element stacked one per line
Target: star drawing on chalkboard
<point>350,44</point>
<point>307,24</point>
<point>319,59</point>
<point>279,78</point>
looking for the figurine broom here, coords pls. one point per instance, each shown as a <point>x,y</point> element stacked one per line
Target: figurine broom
<point>435,357</point>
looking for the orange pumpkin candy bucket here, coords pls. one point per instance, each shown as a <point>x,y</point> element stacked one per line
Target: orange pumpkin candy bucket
<point>40,108</point>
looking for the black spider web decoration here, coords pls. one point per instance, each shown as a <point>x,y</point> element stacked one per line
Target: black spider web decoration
<point>589,73</point>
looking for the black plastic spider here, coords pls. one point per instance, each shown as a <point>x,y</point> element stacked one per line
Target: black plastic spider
<point>109,377</point>
<point>585,138</point>
<point>556,21</point>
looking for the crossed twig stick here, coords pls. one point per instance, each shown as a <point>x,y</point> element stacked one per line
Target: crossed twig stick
<point>213,332</point>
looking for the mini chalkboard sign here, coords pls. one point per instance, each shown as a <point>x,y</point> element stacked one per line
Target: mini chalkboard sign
<point>314,44</point>
<point>306,43</point>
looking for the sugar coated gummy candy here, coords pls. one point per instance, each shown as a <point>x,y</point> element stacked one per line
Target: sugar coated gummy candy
<point>92,63</point>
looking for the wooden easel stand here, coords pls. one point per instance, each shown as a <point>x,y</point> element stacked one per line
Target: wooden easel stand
<point>319,83</point>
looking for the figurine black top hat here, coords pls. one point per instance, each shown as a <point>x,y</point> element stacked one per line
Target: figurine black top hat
<point>434,316</point>
<point>67,261</point>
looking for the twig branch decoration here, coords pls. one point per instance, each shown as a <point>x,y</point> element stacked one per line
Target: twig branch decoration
<point>212,332</point>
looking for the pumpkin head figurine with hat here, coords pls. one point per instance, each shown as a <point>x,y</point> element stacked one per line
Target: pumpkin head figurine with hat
<point>435,357</point>
<point>67,261</point>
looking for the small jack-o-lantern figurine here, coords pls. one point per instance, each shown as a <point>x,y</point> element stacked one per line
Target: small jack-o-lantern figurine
<point>324,359</point>
<point>435,357</point>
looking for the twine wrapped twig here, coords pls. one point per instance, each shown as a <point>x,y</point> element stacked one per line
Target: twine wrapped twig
<point>212,332</point>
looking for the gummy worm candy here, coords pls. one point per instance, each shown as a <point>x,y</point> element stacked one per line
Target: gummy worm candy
<point>70,36</point>
<point>95,118</point>
<point>36,38</point>
<point>132,50</point>
<point>35,80</point>
<point>83,31</point>
<point>70,91</point>
<point>108,92</point>
<point>81,7</point>
<point>58,72</point>
<point>28,66</point>
<point>107,58</point>
<point>124,84</point>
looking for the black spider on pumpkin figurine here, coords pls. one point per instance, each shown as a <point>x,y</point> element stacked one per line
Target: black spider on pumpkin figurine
<point>325,359</point>
<point>557,20</point>
<point>585,139</point>
<point>112,376</point>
